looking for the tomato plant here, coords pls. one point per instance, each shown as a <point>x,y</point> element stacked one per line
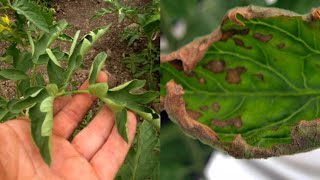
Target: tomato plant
<point>31,36</point>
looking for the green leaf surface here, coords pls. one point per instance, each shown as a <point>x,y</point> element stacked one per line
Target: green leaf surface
<point>258,80</point>
<point>114,105</point>
<point>56,74</point>
<point>52,57</point>
<point>12,74</point>
<point>43,142</point>
<point>75,59</point>
<point>128,94</point>
<point>122,124</point>
<point>143,160</point>
<point>74,42</point>
<point>96,67</point>
<point>31,12</point>
<point>99,89</point>
<point>46,40</point>
<point>18,105</point>
<point>46,106</point>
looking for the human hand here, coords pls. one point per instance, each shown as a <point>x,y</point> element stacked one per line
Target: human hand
<point>97,152</point>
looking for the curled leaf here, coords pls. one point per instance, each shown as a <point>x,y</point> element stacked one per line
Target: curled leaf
<point>96,67</point>
<point>99,89</point>
<point>251,88</point>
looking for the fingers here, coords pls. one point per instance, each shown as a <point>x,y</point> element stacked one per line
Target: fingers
<point>67,163</point>
<point>110,157</point>
<point>68,118</point>
<point>92,137</point>
<point>59,103</point>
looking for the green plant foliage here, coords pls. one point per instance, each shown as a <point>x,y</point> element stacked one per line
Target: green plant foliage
<point>96,67</point>
<point>32,13</point>
<point>145,25</point>
<point>128,95</point>
<point>12,74</point>
<point>122,123</point>
<point>258,80</point>
<point>142,161</point>
<point>31,33</point>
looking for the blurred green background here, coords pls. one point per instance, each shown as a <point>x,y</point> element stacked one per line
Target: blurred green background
<point>182,21</point>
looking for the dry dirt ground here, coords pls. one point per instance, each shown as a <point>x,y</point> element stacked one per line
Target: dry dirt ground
<point>78,13</point>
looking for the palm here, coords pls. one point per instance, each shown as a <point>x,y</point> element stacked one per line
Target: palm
<point>97,152</point>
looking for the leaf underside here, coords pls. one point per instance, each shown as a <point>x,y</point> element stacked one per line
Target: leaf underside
<point>252,87</point>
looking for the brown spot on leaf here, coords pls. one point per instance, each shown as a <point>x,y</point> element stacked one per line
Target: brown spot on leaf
<point>281,45</point>
<point>228,34</point>
<point>244,31</point>
<point>235,122</point>
<point>216,66</point>
<point>177,64</point>
<point>194,114</point>
<point>233,75</point>
<point>215,107</point>
<point>240,43</point>
<point>204,108</point>
<point>262,37</point>
<point>260,76</point>
<point>202,81</point>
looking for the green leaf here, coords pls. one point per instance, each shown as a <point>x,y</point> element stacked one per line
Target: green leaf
<point>43,142</point>
<point>75,59</point>
<point>52,89</point>
<point>47,39</point>
<point>31,12</point>
<point>146,113</point>
<point>130,85</point>
<point>23,86</point>
<point>99,89</point>
<point>46,106</point>
<point>91,38</point>
<point>74,42</point>
<point>122,124</point>
<point>56,74</point>
<point>53,57</point>
<point>143,160</point>
<point>114,105</point>
<point>18,105</point>
<point>32,91</point>
<point>152,24</point>
<point>22,61</point>
<point>255,90</point>
<point>12,74</point>
<point>3,113</point>
<point>96,67</point>
<point>3,102</point>
<point>128,94</point>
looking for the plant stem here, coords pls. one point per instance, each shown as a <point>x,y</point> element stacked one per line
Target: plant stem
<point>5,7</point>
<point>33,76</point>
<point>80,92</point>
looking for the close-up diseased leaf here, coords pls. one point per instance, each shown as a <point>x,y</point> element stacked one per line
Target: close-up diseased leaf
<point>251,87</point>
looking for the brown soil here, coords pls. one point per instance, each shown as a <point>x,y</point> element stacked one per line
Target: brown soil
<point>78,13</point>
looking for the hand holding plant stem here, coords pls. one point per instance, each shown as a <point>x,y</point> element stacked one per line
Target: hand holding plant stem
<point>98,150</point>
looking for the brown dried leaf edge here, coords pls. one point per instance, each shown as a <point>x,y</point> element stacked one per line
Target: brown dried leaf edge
<point>306,135</point>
